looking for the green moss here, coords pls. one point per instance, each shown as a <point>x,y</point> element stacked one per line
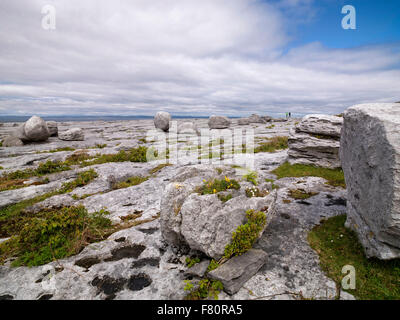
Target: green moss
<point>335,177</point>
<point>338,246</point>
<point>246,235</point>
<point>251,177</point>
<point>159,168</point>
<point>206,289</point>
<point>301,194</point>
<point>216,186</point>
<point>224,198</point>
<point>212,266</point>
<point>54,234</point>
<point>190,262</point>
<point>133,155</point>
<point>323,137</point>
<point>82,179</point>
<point>132,181</point>
<point>270,127</point>
<point>57,150</point>
<point>101,145</point>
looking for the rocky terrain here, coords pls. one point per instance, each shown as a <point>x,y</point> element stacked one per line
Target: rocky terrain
<point>147,260</point>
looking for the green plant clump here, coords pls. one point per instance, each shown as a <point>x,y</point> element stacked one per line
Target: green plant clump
<point>216,186</point>
<point>54,234</point>
<point>206,289</point>
<point>132,181</point>
<point>274,144</point>
<point>246,235</point>
<point>225,198</point>
<point>133,155</point>
<point>338,246</point>
<point>251,177</point>
<point>301,194</point>
<point>82,179</point>
<point>212,266</point>
<point>335,177</point>
<point>190,262</point>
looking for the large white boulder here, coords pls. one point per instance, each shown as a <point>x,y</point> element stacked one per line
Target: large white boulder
<point>73,134</point>
<point>370,154</point>
<point>33,130</point>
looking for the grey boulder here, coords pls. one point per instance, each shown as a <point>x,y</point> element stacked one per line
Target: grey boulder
<point>243,121</point>
<point>219,122</point>
<point>162,120</point>
<point>255,118</point>
<point>74,134</point>
<point>238,270</point>
<point>370,154</point>
<point>12,142</point>
<point>53,128</point>
<point>321,124</point>
<point>33,130</point>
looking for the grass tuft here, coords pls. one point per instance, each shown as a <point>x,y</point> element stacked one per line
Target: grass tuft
<point>338,246</point>
<point>274,144</point>
<point>335,177</point>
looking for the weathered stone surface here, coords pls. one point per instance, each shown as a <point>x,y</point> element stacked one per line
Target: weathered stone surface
<point>162,120</point>
<point>198,270</point>
<point>53,128</point>
<point>204,222</point>
<point>315,141</point>
<point>219,122</point>
<point>36,129</point>
<point>370,153</point>
<point>321,124</point>
<point>306,149</point>
<point>12,142</point>
<point>266,119</point>
<point>255,118</point>
<point>74,134</point>
<point>237,270</point>
<point>243,121</point>
<point>188,127</point>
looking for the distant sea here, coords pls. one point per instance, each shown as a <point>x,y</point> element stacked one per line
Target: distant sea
<point>4,118</point>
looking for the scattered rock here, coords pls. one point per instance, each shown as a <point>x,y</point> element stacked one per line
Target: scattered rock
<point>255,118</point>
<point>162,120</point>
<point>370,154</point>
<point>33,130</point>
<point>12,142</point>
<point>219,122</point>
<point>53,128</point>
<point>74,134</point>
<point>236,271</point>
<point>321,124</point>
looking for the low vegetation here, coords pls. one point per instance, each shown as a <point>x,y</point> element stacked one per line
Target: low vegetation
<point>216,186</point>
<point>256,192</point>
<point>274,144</point>
<point>225,198</point>
<point>246,235</point>
<point>338,246</point>
<point>334,177</point>
<point>274,186</point>
<point>301,194</point>
<point>53,234</point>
<point>82,179</point>
<point>251,177</point>
<point>133,155</point>
<point>132,181</point>
<point>159,168</point>
<point>205,289</point>
<point>190,262</point>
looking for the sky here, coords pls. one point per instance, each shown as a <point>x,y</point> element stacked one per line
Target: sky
<point>196,58</point>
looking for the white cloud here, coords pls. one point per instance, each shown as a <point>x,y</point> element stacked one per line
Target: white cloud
<point>188,57</point>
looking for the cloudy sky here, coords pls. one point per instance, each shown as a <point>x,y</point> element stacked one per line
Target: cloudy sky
<point>191,57</point>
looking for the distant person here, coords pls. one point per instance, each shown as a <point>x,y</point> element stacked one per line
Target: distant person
<point>290,114</point>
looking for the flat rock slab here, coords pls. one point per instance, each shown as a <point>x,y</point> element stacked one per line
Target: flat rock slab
<point>238,270</point>
<point>198,270</point>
